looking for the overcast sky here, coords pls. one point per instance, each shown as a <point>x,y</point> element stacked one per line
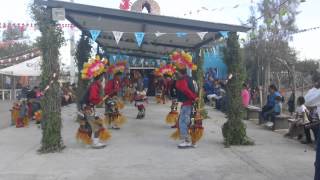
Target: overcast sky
<point>305,43</point>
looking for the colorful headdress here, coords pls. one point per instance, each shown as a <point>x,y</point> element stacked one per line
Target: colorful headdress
<point>168,69</point>
<point>157,72</point>
<point>182,60</point>
<point>119,67</point>
<point>93,68</point>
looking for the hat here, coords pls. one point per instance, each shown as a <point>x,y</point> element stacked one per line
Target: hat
<point>93,68</point>
<point>117,68</point>
<point>182,60</point>
<point>168,69</point>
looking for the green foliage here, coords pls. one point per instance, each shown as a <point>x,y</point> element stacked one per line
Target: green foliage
<point>12,33</point>
<point>234,131</point>
<point>50,41</point>
<point>13,49</point>
<point>82,55</point>
<point>199,79</point>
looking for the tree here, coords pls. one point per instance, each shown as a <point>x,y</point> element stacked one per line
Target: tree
<point>82,55</point>
<point>269,39</point>
<point>49,43</point>
<point>234,131</point>
<point>13,33</point>
<point>11,46</point>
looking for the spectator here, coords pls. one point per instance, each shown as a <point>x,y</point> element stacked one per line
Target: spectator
<point>271,101</point>
<point>24,92</point>
<point>211,74</point>
<point>245,95</point>
<point>275,111</point>
<point>296,128</point>
<point>291,104</point>
<point>317,163</point>
<point>313,100</point>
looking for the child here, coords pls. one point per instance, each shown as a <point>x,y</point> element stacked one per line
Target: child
<point>296,128</point>
<point>276,110</point>
<point>140,99</point>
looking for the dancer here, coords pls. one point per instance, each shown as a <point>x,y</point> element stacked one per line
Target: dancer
<point>91,130</point>
<point>140,101</point>
<point>113,104</point>
<point>187,96</point>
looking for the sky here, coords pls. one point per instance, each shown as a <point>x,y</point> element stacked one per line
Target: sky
<point>304,43</point>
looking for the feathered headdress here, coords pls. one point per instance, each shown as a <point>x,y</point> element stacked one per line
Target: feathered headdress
<point>157,72</point>
<point>116,68</point>
<point>182,60</point>
<point>93,68</point>
<point>168,69</point>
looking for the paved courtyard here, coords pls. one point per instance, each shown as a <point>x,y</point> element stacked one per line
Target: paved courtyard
<point>142,150</point>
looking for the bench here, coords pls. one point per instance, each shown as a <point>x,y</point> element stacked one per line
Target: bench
<point>253,112</point>
<point>281,122</point>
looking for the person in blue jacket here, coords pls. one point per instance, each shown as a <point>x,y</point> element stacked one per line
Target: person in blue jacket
<point>271,102</point>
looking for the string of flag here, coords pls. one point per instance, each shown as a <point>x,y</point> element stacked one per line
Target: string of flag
<point>217,9</point>
<point>27,56</point>
<point>139,36</point>
<point>23,26</point>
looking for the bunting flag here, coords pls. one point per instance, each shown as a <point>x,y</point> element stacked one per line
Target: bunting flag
<point>202,34</point>
<point>158,34</point>
<point>224,34</point>
<point>181,34</point>
<point>139,37</point>
<point>94,34</point>
<point>117,36</point>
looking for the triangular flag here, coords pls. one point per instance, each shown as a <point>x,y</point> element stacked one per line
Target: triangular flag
<point>181,34</point>
<point>201,34</point>
<point>117,35</point>
<point>224,34</point>
<point>94,34</point>
<point>139,37</point>
<point>159,34</point>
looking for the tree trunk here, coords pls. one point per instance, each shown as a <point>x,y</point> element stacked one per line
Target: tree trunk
<point>50,41</point>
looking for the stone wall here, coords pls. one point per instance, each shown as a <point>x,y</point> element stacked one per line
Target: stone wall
<point>137,6</point>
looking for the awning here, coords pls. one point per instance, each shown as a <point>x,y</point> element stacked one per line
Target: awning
<point>27,68</point>
<point>88,18</point>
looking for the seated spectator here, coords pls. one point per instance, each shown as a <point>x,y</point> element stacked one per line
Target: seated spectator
<point>271,101</point>
<point>245,95</point>
<point>208,90</point>
<point>276,111</point>
<point>296,127</point>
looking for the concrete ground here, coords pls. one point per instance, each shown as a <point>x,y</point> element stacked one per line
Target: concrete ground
<point>5,114</point>
<point>142,150</point>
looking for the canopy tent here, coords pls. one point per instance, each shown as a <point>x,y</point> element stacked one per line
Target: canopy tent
<point>107,20</point>
<point>26,68</point>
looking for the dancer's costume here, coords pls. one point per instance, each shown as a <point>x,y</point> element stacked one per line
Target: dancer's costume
<point>20,115</point>
<point>159,86</point>
<point>91,130</point>
<point>140,102</point>
<point>189,128</point>
<point>113,104</point>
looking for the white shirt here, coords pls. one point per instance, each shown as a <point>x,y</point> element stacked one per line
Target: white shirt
<point>301,109</point>
<point>313,98</point>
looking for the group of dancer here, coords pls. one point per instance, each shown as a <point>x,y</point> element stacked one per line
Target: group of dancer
<point>171,80</point>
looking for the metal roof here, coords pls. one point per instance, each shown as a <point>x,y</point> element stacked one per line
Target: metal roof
<point>87,17</point>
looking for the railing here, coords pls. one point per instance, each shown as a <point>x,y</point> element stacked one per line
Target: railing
<point>6,94</point>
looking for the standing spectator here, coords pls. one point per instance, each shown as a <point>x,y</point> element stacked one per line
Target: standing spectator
<point>146,82</point>
<point>245,95</point>
<point>291,103</point>
<point>313,100</point>
<point>317,163</point>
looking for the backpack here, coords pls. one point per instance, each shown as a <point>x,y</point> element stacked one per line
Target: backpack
<point>180,95</point>
<point>85,98</point>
